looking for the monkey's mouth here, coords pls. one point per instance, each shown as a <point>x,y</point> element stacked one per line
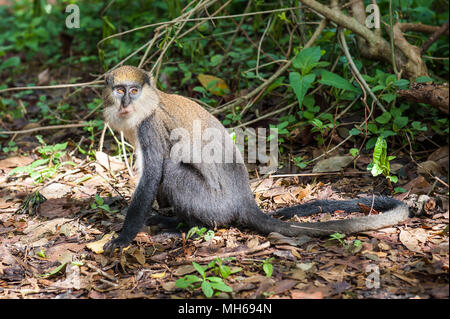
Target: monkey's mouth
<point>124,112</point>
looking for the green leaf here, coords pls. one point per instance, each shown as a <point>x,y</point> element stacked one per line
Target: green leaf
<point>225,271</point>
<point>389,97</point>
<point>54,271</point>
<point>18,170</point>
<point>216,59</point>
<point>11,62</point>
<point>308,115</point>
<point>387,133</point>
<point>200,89</point>
<point>400,122</point>
<point>221,286</point>
<point>357,243</point>
<point>268,269</point>
<point>309,101</point>
<point>376,170</point>
<point>384,118</point>
<point>337,81</point>
<point>371,143</point>
<point>380,161</point>
<point>207,289</point>
<point>99,200</point>
<point>235,270</point>
<point>399,190</point>
<point>402,83</point>
<point>379,153</point>
<point>59,147</point>
<point>306,57</point>
<point>422,79</point>
<point>393,179</point>
<point>372,127</point>
<point>209,235</point>
<point>300,84</point>
<point>418,126</point>
<point>337,236</point>
<point>187,281</point>
<point>354,152</point>
<point>378,88</point>
<point>199,268</point>
<point>390,79</point>
<point>354,131</point>
<point>214,279</point>
<point>282,125</point>
<point>191,232</point>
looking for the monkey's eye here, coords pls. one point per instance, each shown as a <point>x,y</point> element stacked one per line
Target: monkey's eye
<point>134,91</point>
<point>120,91</point>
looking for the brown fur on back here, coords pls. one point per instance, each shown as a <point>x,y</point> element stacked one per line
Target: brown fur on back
<point>180,110</point>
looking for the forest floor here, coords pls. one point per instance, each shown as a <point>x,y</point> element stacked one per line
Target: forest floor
<point>53,248</point>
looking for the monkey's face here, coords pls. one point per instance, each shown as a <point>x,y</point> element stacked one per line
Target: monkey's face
<point>126,94</point>
<point>128,98</point>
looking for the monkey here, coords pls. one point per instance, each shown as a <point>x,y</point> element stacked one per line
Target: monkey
<point>206,193</point>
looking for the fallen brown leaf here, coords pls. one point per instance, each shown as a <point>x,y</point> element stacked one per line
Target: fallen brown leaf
<point>15,161</point>
<point>409,241</point>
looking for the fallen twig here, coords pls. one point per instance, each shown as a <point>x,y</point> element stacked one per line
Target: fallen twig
<point>321,174</point>
<point>42,128</point>
<point>46,87</point>
<point>101,272</point>
<point>224,255</point>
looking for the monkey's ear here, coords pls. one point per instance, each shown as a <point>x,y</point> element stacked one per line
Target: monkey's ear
<point>109,79</point>
<point>149,79</point>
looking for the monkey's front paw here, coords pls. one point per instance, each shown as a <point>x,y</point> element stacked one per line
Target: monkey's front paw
<point>119,242</point>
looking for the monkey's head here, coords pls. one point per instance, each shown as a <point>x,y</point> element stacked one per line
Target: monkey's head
<point>128,97</point>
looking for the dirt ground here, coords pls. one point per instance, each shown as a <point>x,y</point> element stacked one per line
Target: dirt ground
<point>53,248</point>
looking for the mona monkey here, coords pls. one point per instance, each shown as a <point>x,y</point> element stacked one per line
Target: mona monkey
<point>210,194</point>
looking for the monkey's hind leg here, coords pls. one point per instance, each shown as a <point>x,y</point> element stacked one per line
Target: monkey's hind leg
<point>196,200</point>
<point>168,223</point>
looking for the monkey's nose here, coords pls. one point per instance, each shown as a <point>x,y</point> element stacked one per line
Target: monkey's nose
<point>125,101</point>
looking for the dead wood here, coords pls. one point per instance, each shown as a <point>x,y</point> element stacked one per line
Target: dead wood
<point>433,94</point>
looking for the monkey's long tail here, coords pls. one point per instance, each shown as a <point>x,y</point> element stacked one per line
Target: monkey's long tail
<point>394,212</point>
<point>378,203</point>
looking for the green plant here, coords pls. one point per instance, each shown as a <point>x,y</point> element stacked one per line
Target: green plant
<point>48,164</point>
<point>305,61</point>
<point>231,118</point>
<point>353,246</point>
<point>380,163</point>
<point>267,266</point>
<point>399,190</point>
<point>200,232</point>
<point>208,284</point>
<point>338,237</point>
<point>100,204</point>
<point>41,253</point>
<point>298,161</point>
<point>357,243</point>
<point>321,127</point>
<point>12,147</point>
<point>218,266</point>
